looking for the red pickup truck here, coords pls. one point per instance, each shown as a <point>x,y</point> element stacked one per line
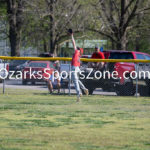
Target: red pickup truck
<point>123,84</point>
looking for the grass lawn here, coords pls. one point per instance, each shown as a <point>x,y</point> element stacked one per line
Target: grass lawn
<point>34,120</point>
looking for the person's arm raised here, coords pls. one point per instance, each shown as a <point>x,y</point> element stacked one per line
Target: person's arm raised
<point>73,42</point>
<point>70,31</point>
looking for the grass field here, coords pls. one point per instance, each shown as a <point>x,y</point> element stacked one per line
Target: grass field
<point>34,120</point>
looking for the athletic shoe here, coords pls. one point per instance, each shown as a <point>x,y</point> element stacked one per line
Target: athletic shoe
<point>86,91</point>
<point>51,92</point>
<point>80,94</point>
<point>78,99</point>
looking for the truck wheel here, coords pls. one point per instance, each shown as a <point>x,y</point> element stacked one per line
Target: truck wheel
<point>148,87</point>
<point>126,90</point>
<point>120,91</point>
<point>145,90</point>
<point>24,82</point>
<point>91,91</point>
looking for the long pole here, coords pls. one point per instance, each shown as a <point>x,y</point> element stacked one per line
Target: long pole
<point>137,70</point>
<point>69,79</point>
<point>4,80</point>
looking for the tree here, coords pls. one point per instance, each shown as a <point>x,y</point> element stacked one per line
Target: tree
<point>139,37</point>
<point>116,17</point>
<point>15,19</point>
<point>50,19</point>
<point>3,22</point>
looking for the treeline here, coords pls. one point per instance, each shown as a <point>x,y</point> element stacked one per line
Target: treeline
<point>43,23</point>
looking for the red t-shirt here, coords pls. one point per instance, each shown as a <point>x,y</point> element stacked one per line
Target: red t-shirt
<point>76,59</point>
<point>98,55</point>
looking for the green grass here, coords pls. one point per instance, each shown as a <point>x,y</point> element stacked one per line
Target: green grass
<point>35,120</point>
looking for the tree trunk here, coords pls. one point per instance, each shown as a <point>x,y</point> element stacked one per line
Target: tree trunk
<point>112,45</point>
<point>137,44</point>
<point>45,45</point>
<point>15,17</point>
<point>15,41</point>
<point>55,50</point>
<point>52,30</point>
<point>122,45</point>
<point>118,45</point>
<point>124,41</point>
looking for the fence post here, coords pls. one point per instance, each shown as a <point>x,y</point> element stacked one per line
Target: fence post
<point>137,71</point>
<point>4,80</point>
<point>69,79</point>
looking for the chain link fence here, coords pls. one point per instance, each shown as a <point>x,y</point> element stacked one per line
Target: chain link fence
<point>121,79</point>
<point>114,78</point>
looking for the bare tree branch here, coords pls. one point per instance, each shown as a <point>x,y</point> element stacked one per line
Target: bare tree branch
<point>129,4</point>
<point>102,33</point>
<point>131,15</point>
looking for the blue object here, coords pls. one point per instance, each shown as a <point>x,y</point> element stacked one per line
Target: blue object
<point>101,49</point>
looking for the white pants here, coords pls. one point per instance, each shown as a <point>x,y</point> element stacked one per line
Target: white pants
<point>75,78</point>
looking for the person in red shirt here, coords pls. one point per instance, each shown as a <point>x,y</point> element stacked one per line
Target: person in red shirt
<point>97,55</point>
<point>75,70</point>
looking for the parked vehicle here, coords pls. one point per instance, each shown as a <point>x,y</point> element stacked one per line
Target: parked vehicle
<point>120,85</point>
<point>37,71</point>
<point>14,63</point>
<point>3,66</point>
<point>22,66</point>
<point>46,54</point>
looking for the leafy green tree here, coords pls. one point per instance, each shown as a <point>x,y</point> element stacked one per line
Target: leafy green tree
<point>48,21</point>
<point>116,19</point>
<point>139,37</point>
<point>15,19</point>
